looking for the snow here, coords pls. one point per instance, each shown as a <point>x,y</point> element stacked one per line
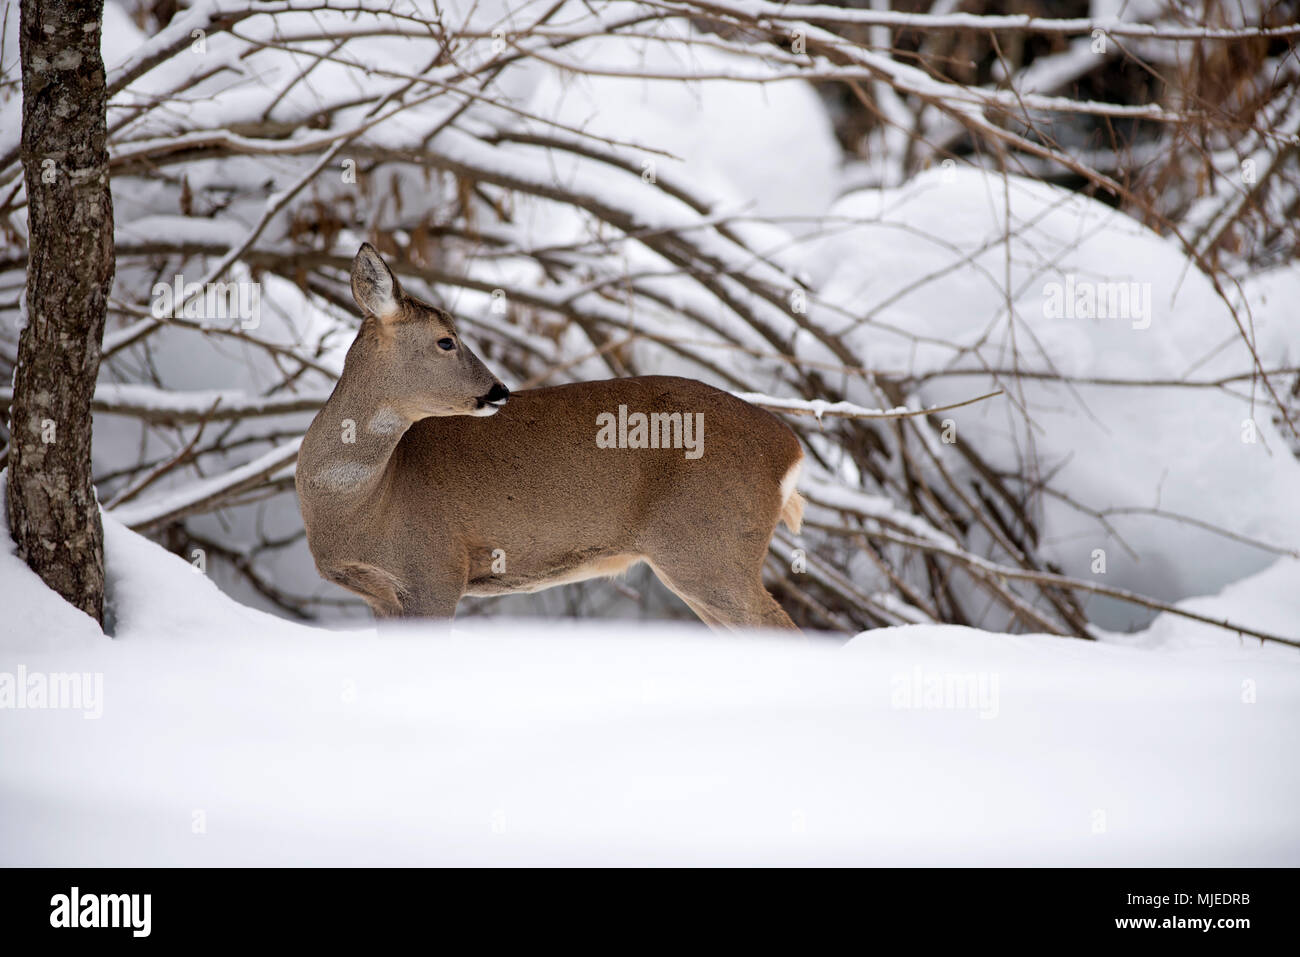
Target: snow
<point>228,737</point>
<point>741,163</point>
<point>1268,598</point>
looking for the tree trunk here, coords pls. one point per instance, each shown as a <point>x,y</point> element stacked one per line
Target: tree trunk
<point>53,514</point>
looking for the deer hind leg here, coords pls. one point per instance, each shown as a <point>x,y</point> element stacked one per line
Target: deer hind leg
<point>701,611</point>
<point>724,596</point>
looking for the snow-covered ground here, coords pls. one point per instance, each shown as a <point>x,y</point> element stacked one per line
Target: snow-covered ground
<point>215,734</point>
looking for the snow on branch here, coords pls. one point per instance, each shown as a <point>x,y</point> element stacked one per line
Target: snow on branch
<point>165,407</point>
<point>818,408</point>
<point>207,494</point>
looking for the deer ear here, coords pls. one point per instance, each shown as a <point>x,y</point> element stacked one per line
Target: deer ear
<point>374,286</point>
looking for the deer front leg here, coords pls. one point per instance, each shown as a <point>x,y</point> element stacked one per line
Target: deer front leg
<point>433,592</point>
<point>431,603</point>
<point>401,596</point>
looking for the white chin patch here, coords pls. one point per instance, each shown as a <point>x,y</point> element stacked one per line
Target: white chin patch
<point>489,409</point>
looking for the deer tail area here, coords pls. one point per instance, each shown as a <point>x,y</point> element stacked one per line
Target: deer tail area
<point>791,500</point>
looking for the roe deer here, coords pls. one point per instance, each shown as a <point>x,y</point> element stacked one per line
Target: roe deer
<point>412,497</point>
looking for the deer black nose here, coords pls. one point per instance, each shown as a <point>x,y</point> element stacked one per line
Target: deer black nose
<point>498,393</point>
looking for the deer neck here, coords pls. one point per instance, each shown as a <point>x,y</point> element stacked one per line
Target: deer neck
<point>346,451</point>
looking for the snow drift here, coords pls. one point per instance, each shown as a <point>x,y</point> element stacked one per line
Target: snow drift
<point>228,736</point>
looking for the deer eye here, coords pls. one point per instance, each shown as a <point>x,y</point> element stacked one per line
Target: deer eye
<point>446,345</point>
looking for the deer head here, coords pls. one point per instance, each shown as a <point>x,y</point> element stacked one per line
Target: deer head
<point>413,355</point>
